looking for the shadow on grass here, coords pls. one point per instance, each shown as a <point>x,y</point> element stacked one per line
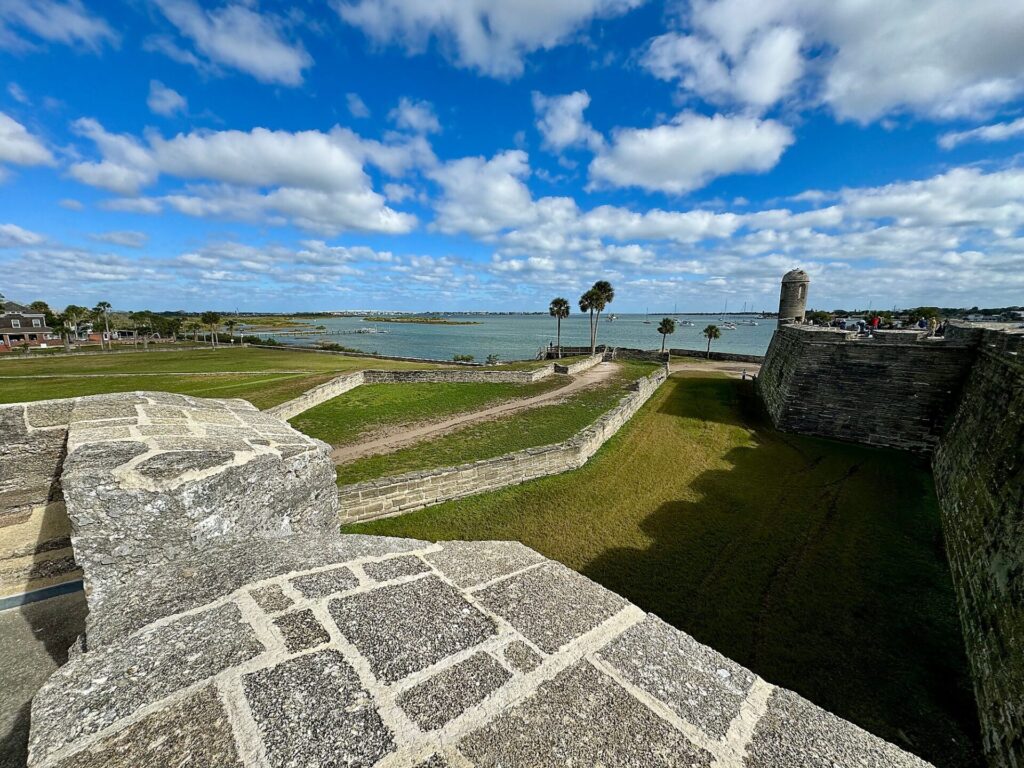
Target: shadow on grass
<point>819,565</point>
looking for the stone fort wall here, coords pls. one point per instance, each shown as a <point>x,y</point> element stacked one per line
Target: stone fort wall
<point>405,493</point>
<point>979,477</point>
<point>897,389</point>
<point>961,398</point>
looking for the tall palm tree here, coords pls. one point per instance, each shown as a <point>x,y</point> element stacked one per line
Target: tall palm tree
<point>711,333</point>
<point>559,309</point>
<point>102,310</point>
<point>192,327</point>
<point>231,325</point>
<point>605,295</point>
<point>211,320</point>
<point>667,326</point>
<point>62,327</point>
<point>588,303</point>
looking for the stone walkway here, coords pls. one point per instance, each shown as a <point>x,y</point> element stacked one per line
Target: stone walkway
<point>368,651</point>
<point>406,436</point>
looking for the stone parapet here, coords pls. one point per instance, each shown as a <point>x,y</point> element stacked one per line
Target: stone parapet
<point>150,477</point>
<point>390,496</point>
<point>359,650</point>
<point>465,376</point>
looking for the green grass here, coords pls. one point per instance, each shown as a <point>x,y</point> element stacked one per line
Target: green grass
<point>818,564</point>
<point>543,425</point>
<point>262,390</point>
<point>362,411</point>
<point>200,360</point>
<point>275,380</point>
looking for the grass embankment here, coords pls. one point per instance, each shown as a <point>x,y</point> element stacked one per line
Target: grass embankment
<point>368,409</point>
<point>538,426</point>
<point>280,374</point>
<point>419,320</point>
<point>817,564</point>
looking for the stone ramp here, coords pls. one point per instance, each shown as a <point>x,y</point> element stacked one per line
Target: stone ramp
<point>391,652</point>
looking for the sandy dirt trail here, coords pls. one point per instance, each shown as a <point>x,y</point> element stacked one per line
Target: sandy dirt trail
<point>403,437</point>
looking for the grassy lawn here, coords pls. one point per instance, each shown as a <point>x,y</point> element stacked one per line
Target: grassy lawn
<point>539,426</point>
<point>264,377</point>
<point>200,360</point>
<point>262,390</point>
<point>366,409</point>
<point>818,564</point>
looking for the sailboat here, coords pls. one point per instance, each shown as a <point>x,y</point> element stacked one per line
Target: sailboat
<point>646,316</point>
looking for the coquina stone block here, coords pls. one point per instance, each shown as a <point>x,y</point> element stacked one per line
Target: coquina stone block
<point>150,479</point>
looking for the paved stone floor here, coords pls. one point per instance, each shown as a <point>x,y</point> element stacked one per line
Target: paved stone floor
<point>393,652</point>
<point>33,642</point>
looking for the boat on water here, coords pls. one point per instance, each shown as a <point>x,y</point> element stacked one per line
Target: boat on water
<point>647,318</point>
<point>612,318</point>
<point>728,326</point>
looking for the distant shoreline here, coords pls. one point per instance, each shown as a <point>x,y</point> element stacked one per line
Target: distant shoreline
<point>418,320</point>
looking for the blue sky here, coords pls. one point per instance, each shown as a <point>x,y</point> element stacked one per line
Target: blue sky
<point>492,154</point>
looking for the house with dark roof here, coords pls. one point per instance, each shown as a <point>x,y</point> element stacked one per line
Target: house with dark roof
<point>20,325</point>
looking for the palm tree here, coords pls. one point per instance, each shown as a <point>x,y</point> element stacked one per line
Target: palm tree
<point>559,309</point>
<point>193,327</point>
<point>103,310</point>
<point>211,320</point>
<point>62,327</point>
<point>711,333</point>
<point>231,325</point>
<point>588,303</point>
<point>667,326</point>
<point>605,295</point>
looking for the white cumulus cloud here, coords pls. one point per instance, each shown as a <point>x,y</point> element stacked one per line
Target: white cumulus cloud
<point>560,121</point>
<point>13,236</point>
<point>19,147</point>
<point>165,101</point>
<point>237,36</point>
<point>984,133</point>
<point>689,152</point>
<point>68,23</point>
<point>415,116</point>
<point>491,36</point>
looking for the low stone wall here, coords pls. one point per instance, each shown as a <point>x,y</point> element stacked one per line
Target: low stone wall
<point>887,392</point>
<point>583,365</point>
<point>317,395</point>
<point>369,355</point>
<point>459,377</point>
<point>722,356</point>
<point>404,493</point>
<point>979,476</point>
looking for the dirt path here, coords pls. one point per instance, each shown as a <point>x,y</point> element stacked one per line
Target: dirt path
<point>405,436</point>
<point>721,366</point>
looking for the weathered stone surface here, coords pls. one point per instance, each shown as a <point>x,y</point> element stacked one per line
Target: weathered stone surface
<point>407,627</point>
<point>162,494</point>
<point>581,717</point>
<point>469,563</point>
<point>697,683</point>
<point>198,578</point>
<point>195,732</point>
<point>794,732</point>
<point>395,568</point>
<point>448,694</point>
<point>301,630</point>
<point>551,605</point>
<point>271,599</point>
<point>522,657</point>
<point>98,688</point>
<point>324,583</point>
<point>311,710</point>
